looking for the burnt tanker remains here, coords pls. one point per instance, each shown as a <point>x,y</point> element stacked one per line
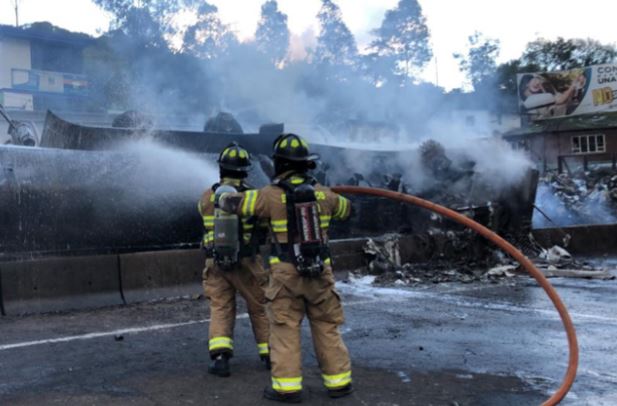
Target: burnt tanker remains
<point>84,192</point>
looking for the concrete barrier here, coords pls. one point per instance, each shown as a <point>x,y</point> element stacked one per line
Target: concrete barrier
<point>160,274</point>
<point>584,240</point>
<point>67,283</point>
<point>54,284</point>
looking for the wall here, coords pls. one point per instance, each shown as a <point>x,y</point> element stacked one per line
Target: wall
<point>15,54</point>
<point>560,144</point>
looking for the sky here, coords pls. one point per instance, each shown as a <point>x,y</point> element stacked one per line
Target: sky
<point>514,23</point>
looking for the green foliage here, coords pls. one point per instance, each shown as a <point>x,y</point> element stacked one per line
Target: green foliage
<point>403,38</point>
<point>566,54</point>
<point>208,38</point>
<point>479,62</point>
<point>272,35</point>
<point>336,45</point>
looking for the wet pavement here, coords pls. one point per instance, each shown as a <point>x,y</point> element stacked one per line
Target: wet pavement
<point>443,344</point>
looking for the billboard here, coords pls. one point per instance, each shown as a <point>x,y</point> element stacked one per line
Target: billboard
<point>567,93</point>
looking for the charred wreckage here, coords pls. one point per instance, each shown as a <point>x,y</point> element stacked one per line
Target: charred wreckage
<point>80,194</point>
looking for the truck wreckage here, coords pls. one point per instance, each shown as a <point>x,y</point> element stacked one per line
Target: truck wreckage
<point>88,199</point>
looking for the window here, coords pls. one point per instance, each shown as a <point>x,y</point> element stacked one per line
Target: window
<point>584,144</point>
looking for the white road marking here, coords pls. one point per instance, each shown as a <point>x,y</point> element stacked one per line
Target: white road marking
<point>133,330</point>
<point>89,336</point>
<point>439,296</point>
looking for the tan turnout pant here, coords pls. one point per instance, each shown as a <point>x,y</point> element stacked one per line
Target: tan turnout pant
<point>291,296</point>
<point>220,286</point>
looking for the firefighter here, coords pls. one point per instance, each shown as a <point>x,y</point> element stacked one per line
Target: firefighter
<point>301,280</point>
<point>232,265</point>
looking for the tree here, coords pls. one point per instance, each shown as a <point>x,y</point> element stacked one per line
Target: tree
<point>145,21</point>
<point>272,35</point>
<point>208,37</point>
<point>336,45</point>
<point>479,63</point>
<point>404,37</point>
<point>565,54</point>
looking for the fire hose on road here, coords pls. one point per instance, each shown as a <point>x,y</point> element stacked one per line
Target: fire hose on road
<point>508,248</point>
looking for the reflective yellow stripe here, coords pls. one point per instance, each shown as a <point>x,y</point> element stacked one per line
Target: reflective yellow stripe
<point>324,221</point>
<point>296,180</point>
<point>263,348</point>
<point>337,381</point>
<point>208,221</point>
<point>320,195</point>
<point>274,260</point>
<point>341,211</point>
<point>279,226</point>
<point>212,197</point>
<point>287,384</point>
<point>248,207</point>
<point>278,222</point>
<point>199,206</point>
<point>209,237</point>
<point>327,261</point>
<point>216,343</point>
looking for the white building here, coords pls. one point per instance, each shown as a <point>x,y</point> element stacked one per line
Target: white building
<point>41,67</point>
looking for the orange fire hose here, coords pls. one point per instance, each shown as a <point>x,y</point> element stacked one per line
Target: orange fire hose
<point>512,251</point>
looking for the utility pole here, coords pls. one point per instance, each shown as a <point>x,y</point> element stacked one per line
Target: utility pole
<point>16,3</point>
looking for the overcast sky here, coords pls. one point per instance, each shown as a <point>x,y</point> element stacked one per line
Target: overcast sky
<point>514,23</point>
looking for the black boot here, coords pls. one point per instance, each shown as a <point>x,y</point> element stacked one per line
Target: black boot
<point>266,360</point>
<point>340,392</point>
<point>220,366</point>
<point>284,397</point>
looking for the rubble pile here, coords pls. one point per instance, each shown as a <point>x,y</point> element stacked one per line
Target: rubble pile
<point>468,262</point>
<point>452,256</point>
<point>589,196</point>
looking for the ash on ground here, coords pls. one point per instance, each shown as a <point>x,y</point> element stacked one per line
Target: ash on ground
<point>419,259</point>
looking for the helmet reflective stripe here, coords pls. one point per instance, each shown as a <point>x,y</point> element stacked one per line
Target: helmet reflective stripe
<point>235,158</point>
<point>292,147</point>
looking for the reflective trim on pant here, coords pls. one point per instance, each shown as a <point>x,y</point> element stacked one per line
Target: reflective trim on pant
<point>337,381</point>
<point>263,348</point>
<point>217,343</point>
<point>287,384</point>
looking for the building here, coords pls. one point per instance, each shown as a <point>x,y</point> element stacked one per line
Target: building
<point>569,143</point>
<point>42,68</point>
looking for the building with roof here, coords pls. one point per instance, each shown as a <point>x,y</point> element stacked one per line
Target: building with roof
<point>569,143</point>
<point>42,68</point>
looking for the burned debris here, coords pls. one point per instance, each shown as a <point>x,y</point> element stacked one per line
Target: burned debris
<point>581,197</point>
<point>462,256</point>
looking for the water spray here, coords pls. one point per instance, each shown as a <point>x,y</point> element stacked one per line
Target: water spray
<point>508,248</point>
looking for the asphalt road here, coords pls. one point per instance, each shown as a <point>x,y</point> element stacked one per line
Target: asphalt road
<point>447,344</point>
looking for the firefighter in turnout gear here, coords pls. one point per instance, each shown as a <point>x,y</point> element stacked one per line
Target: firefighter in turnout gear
<point>232,264</point>
<point>301,280</point>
